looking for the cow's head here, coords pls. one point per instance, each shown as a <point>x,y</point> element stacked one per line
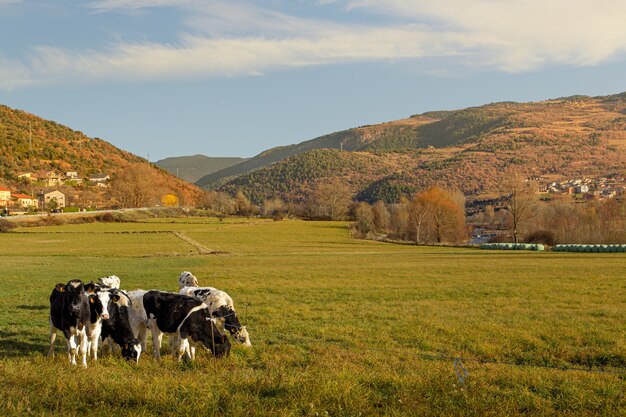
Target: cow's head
<point>131,351</point>
<point>233,325</point>
<point>99,298</point>
<point>201,328</point>
<point>74,291</point>
<point>187,279</point>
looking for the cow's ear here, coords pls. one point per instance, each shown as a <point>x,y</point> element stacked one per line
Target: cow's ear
<point>115,298</point>
<point>60,287</point>
<point>125,345</point>
<point>90,287</point>
<point>91,300</point>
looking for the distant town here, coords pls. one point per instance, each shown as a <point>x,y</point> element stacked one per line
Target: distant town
<point>14,202</point>
<point>583,188</point>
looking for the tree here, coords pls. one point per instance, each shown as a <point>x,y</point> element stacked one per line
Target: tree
<point>333,199</point>
<point>437,216</point>
<point>520,200</point>
<point>381,216</point>
<point>136,186</point>
<point>169,200</point>
<point>365,218</point>
<point>417,212</point>
<point>243,205</point>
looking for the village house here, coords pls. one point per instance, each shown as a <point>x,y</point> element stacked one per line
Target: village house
<point>27,176</point>
<point>45,199</point>
<point>50,178</point>
<point>24,201</point>
<point>100,180</point>
<point>72,178</point>
<point>5,196</point>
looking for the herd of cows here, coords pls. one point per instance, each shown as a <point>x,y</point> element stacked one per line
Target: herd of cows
<point>87,313</point>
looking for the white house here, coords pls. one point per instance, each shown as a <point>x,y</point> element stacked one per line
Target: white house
<point>5,196</point>
<point>25,201</point>
<point>45,199</point>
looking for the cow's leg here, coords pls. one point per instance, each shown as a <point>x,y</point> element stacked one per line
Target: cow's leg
<point>83,346</point>
<point>183,346</point>
<point>142,335</point>
<point>92,346</point>
<point>53,337</point>
<point>157,336</point>
<point>71,349</point>
<point>173,341</point>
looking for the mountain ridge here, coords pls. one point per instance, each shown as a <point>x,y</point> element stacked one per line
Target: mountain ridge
<point>467,149</point>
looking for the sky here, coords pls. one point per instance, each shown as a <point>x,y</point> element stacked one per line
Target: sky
<point>163,78</point>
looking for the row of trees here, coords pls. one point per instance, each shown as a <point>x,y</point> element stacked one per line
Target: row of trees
<point>433,216</point>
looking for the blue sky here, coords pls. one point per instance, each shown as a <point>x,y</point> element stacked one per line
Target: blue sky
<point>233,78</point>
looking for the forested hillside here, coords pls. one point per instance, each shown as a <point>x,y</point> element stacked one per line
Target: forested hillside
<point>468,149</point>
<point>31,144</point>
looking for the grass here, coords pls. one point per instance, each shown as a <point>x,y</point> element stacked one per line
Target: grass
<point>337,324</point>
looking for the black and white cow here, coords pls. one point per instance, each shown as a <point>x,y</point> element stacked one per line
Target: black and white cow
<point>187,279</point>
<point>100,299</point>
<point>110,319</point>
<point>117,329</point>
<point>222,308</point>
<point>112,281</point>
<point>70,313</point>
<point>186,320</point>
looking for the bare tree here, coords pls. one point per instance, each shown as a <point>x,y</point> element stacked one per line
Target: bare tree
<point>381,216</point>
<point>418,213</point>
<point>365,218</point>
<point>333,199</point>
<point>136,186</point>
<point>520,200</point>
<point>243,205</point>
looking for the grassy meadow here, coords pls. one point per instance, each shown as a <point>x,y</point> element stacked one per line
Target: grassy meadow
<point>339,326</point>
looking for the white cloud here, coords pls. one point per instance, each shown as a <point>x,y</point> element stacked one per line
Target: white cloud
<point>531,33</point>
<point>109,5</point>
<point>234,38</point>
<point>201,56</point>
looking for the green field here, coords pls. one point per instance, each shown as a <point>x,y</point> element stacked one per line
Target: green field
<point>339,326</point>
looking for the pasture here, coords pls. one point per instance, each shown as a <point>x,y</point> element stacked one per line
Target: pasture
<point>339,326</point>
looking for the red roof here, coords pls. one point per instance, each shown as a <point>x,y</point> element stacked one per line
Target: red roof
<point>4,189</point>
<point>22,196</point>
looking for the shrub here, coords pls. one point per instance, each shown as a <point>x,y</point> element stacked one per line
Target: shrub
<point>541,236</point>
<point>6,226</point>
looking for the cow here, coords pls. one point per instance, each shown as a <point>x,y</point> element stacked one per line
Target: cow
<point>99,300</point>
<point>139,322</point>
<point>182,318</point>
<point>70,313</point>
<point>112,281</point>
<point>222,308</point>
<point>117,329</point>
<point>187,279</point>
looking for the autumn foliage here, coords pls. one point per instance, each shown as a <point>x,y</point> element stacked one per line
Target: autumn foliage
<point>432,216</point>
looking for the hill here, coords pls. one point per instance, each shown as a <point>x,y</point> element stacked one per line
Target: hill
<point>468,149</point>
<point>192,168</point>
<point>397,134</point>
<point>30,144</point>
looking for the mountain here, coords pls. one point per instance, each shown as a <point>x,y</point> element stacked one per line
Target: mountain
<point>192,168</point>
<point>398,133</point>
<point>468,148</point>
<point>30,144</point>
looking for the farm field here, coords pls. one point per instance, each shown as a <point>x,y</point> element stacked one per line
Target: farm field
<point>339,326</point>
